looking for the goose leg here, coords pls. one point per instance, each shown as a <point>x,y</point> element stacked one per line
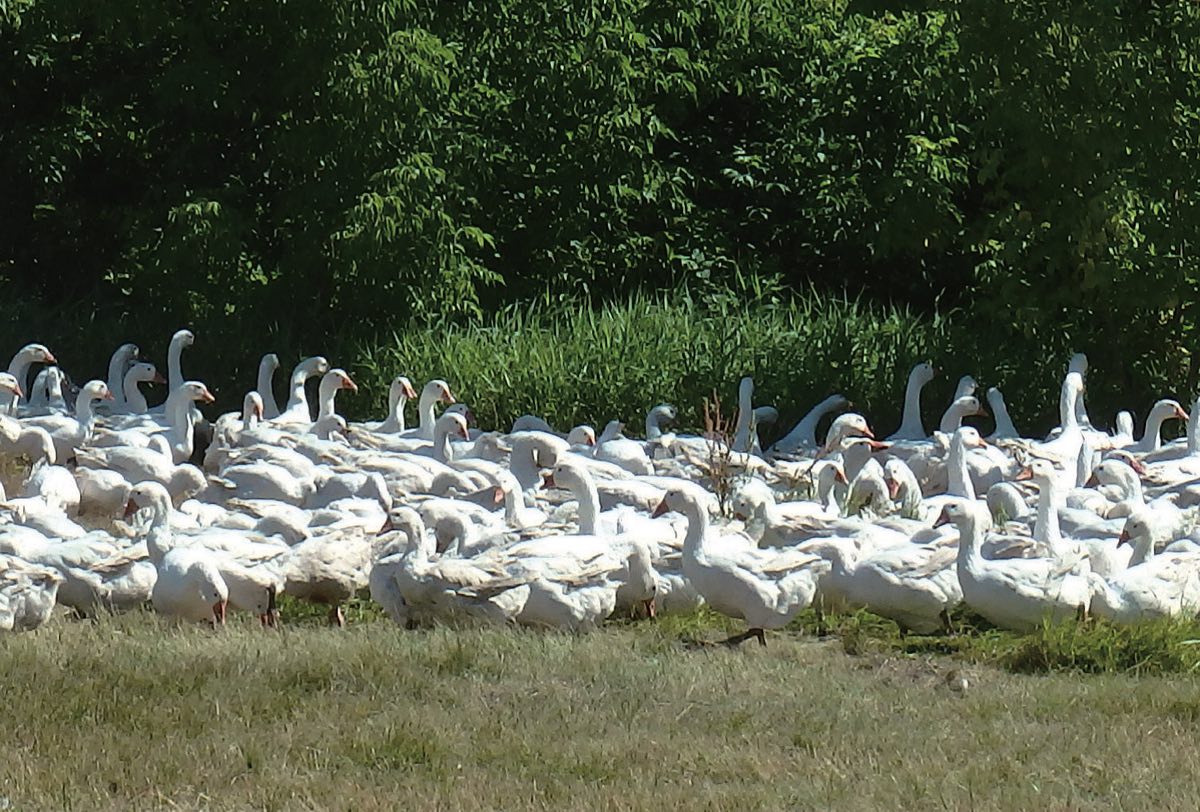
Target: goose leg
<point>738,639</point>
<point>336,616</point>
<point>651,609</point>
<point>761,635</point>
<point>946,624</point>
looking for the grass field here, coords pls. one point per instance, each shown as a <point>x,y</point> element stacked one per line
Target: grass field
<point>134,713</point>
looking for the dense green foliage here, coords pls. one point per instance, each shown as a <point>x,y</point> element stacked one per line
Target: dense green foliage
<point>313,176</point>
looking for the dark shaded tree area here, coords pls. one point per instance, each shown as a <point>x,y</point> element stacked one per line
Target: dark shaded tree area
<point>310,175</point>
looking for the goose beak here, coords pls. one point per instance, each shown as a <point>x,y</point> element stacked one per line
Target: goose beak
<point>839,475</point>
<point>1137,466</point>
<point>386,527</point>
<point>1181,414</point>
<point>1092,482</point>
<point>548,480</point>
<point>870,435</point>
<point>349,384</point>
<point>1024,474</point>
<point>893,488</point>
<point>876,445</point>
<point>982,412</point>
<point>130,509</point>
<point>158,378</point>
<point>258,410</point>
<point>17,390</point>
<point>409,392</point>
<point>943,518</point>
<point>50,359</point>
<point>207,396</point>
<point>448,398</point>
<point>741,517</point>
<point>660,510</point>
<point>651,608</point>
<point>107,395</point>
<point>218,611</point>
<point>1123,538</point>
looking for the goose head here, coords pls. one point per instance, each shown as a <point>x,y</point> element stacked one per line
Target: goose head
<point>968,437</point>
<point>678,500</point>
<point>143,372</point>
<point>148,495</point>
<point>252,407</point>
<point>751,499</point>
<point>93,391</point>
<point>582,435</point>
<point>451,424</point>
<point>463,410</point>
<point>566,474</point>
<point>844,427</point>
<point>612,430</point>
<point>211,588</point>
<point>923,373</point>
<point>183,338</point>
<point>8,383</point>
<point>340,379</point>
<point>895,476</point>
<point>1078,364</point>
<point>966,386</point>
<point>310,367</point>
<point>1137,530</point>
<point>1167,409</point>
<point>438,391</point>
<point>664,411</point>
<point>402,387</point>
<point>197,392</point>
<point>37,354</point>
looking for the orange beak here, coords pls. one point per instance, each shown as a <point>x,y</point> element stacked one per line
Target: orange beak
<point>1123,538</point>
<point>158,378</point>
<point>943,518</point>
<point>409,392</point>
<point>548,480</point>
<point>448,398</point>
<point>893,488</point>
<point>1024,474</point>
<point>207,397</point>
<point>218,611</point>
<point>660,510</point>
<point>349,384</point>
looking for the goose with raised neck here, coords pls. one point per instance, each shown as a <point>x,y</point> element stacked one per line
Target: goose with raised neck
<point>1079,364</point>
<point>662,413</point>
<point>1005,430</point>
<point>434,392</point>
<point>745,415</point>
<point>958,472</point>
<point>297,410</point>
<point>332,382</point>
<point>138,373</point>
<point>179,440</point>
<point>399,393</point>
<point>804,434</point>
<point>266,386</point>
<point>1161,412</point>
<point>179,342</point>
<point>911,427</point>
<point>965,388</point>
<point>26,357</point>
<point>118,365</point>
<point>965,406</point>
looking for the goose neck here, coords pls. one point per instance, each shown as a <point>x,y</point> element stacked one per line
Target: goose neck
<point>910,422</point>
<point>589,505</point>
<point>1045,526</point>
<point>960,476</point>
<point>174,365</point>
<point>265,388</point>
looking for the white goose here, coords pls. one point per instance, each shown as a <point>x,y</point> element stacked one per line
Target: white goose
<point>1020,593</point>
<point>118,365</point>
<point>767,589</point>
<point>69,433</point>
<point>911,427</point>
<point>26,357</point>
<point>1164,585</point>
<point>27,594</point>
<point>265,386</point>
<point>297,411</point>
<point>803,437</point>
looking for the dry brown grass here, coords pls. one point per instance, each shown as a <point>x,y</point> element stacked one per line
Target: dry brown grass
<point>134,713</point>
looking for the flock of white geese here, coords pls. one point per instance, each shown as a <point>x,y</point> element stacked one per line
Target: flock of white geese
<point>562,530</point>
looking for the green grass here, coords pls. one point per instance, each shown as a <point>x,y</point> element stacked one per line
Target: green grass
<point>136,713</point>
